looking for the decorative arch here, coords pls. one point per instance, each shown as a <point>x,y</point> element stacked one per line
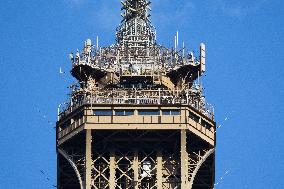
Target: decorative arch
<point>73,165</point>
<point>199,164</point>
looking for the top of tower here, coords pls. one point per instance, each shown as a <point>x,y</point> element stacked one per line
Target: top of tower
<point>135,27</point>
<point>158,74</point>
<point>135,8</point>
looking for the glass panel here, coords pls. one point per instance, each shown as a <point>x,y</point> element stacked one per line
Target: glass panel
<point>148,112</point>
<point>129,112</point>
<point>166,112</point>
<point>205,124</point>
<point>171,112</point>
<point>193,116</point>
<point>119,112</point>
<point>175,112</point>
<point>65,125</point>
<point>124,112</point>
<point>102,112</point>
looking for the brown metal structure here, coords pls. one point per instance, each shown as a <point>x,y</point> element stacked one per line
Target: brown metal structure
<point>137,118</point>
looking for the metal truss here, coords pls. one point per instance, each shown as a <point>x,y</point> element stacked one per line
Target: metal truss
<point>196,160</point>
<point>77,162</point>
<point>137,160</point>
<point>171,170</point>
<point>134,169</point>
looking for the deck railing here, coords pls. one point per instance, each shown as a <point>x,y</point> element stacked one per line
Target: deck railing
<point>139,97</point>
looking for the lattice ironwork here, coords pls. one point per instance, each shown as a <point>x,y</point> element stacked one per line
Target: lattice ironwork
<point>75,172</point>
<point>100,170</point>
<point>124,170</point>
<point>171,170</point>
<point>196,159</point>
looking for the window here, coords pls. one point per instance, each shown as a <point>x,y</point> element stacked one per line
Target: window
<point>148,112</point>
<point>193,116</point>
<point>124,112</point>
<point>205,124</point>
<point>171,112</point>
<point>65,124</point>
<point>102,112</point>
<point>78,116</point>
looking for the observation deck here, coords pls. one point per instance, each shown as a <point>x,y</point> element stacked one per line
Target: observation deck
<point>98,116</point>
<point>111,81</point>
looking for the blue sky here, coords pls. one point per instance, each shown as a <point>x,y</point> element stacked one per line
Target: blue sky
<point>244,79</point>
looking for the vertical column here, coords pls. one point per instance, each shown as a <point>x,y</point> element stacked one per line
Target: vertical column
<point>184,160</point>
<point>112,167</point>
<point>159,170</point>
<point>88,163</point>
<point>58,172</point>
<point>135,167</point>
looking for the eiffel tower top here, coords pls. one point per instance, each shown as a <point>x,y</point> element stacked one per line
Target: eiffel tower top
<point>137,61</point>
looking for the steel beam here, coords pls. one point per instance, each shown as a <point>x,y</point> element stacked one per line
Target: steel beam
<point>159,170</point>
<point>184,160</point>
<point>135,167</point>
<point>73,165</point>
<point>88,162</point>
<point>112,168</point>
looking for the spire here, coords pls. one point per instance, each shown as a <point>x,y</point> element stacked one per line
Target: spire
<point>135,27</point>
<point>135,9</point>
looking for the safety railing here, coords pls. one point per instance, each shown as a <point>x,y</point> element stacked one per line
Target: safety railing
<point>140,97</point>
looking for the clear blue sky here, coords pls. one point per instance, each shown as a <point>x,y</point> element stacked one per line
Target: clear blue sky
<point>244,79</point>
